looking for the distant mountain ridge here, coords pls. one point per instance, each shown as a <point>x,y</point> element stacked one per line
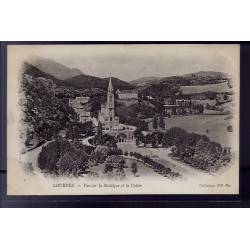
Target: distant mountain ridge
<point>147,85</point>
<point>87,81</point>
<point>79,82</point>
<point>191,79</point>
<point>54,68</point>
<point>30,69</point>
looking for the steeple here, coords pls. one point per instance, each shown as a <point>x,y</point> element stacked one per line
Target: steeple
<point>110,88</point>
<point>110,101</point>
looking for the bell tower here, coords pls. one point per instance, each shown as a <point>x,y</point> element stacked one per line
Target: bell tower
<point>110,101</point>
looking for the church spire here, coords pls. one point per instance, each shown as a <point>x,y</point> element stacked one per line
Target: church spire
<point>110,88</point>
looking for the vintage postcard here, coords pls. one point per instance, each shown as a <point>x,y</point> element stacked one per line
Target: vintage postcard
<point>123,119</point>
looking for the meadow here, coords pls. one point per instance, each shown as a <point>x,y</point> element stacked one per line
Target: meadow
<point>218,88</point>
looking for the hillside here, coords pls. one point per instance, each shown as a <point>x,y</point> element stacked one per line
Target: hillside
<point>198,78</point>
<point>209,74</point>
<point>144,81</point>
<point>53,68</point>
<point>60,89</point>
<point>44,113</point>
<point>88,82</point>
<point>35,72</point>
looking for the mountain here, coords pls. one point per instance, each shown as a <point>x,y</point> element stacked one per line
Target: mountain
<point>193,79</point>
<point>30,69</point>
<point>53,68</point>
<point>88,82</point>
<point>80,82</point>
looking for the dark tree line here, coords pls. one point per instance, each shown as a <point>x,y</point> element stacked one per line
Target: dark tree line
<point>194,149</point>
<point>156,166</point>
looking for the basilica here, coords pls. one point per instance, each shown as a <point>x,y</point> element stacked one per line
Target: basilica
<point>106,116</point>
<point>107,113</point>
<point>110,122</point>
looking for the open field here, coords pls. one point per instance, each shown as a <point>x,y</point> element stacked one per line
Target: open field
<point>219,87</point>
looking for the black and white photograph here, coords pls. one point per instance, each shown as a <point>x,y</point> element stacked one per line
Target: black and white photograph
<point>123,119</point>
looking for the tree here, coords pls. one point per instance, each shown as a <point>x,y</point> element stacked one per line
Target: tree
<point>139,123</point>
<point>230,128</point>
<point>139,137</point>
<point>161,122</point>
<point>172,135</point>
<point>98,137</point>
<point>148,139</point>
<point>134,168</point>
<point>61,157</point>
<point>99,129</point>
<point>155,122</point>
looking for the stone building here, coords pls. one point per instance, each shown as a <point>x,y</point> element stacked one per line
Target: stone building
<point>127,94</point>
<point>81,109</point>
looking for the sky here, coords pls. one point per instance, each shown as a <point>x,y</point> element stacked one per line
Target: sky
<point>129,62</point>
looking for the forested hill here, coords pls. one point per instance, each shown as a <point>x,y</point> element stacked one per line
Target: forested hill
<point>33,71</point>
<point>45,114</point>
<point>87,82</point>
<point>193,79</point>
<point>45,105</point>
<point>79,82</point>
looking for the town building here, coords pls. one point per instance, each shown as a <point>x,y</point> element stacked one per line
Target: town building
<point>127,94</point>
<point>79,104</point>
<point>170,109</point>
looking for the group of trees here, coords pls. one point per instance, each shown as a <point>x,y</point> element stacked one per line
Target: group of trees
<point>197,150</point>
<point>63,158</point>
<point>43,111</point>
<point>47,114</point>
<point>153,139</point>
<point>165,88</point>
<point>158,121</point>
<point>135,114</point>
<point>194,149</point>
<point>76,130</point>
<point>105,145</point>
<point>156,166</point>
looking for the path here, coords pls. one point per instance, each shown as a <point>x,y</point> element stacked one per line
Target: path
<point>161,155</point>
